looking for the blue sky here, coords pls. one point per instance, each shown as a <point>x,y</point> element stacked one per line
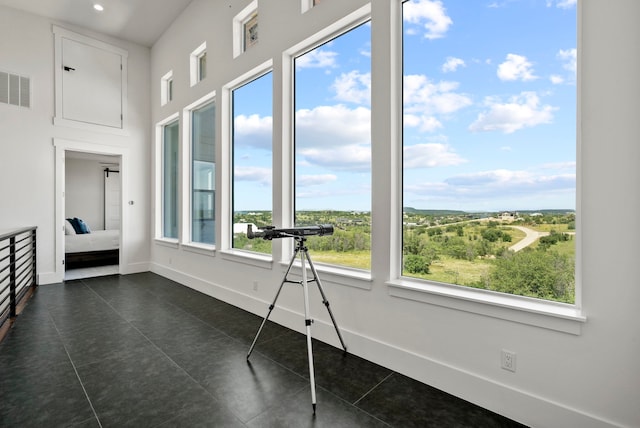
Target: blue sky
<point>489,112</point>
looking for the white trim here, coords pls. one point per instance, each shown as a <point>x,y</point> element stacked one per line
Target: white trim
<point>547,314</point>
<point>164,88</point>
<point>186,173</point>
<point>194,63</point>
<point>158,163</point>
<point>58,119</point>
<point>536,312</point>
<point>60,147</point>
<point>238,27</point>
<point>225,239</point>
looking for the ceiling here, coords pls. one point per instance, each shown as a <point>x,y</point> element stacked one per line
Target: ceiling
<point>139,21</point>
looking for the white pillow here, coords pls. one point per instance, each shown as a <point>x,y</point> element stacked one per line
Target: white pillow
<point>68,228</point>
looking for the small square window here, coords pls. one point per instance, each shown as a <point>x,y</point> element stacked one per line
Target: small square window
<point>202,66</point>
<point>245,29</point>
<point>166,88</point>
<point>198,64</point>
<point>251,32</point>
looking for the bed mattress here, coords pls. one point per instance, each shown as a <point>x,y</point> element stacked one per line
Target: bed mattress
<point>97,240</point>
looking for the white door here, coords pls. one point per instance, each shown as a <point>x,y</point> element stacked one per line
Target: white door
<point>112,200</point>
<point>91,84</point>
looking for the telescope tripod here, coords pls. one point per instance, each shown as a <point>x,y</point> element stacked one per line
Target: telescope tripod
<point>302,250</point>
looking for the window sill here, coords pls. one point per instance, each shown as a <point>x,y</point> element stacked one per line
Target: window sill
<point>336,274</point>
<point>540,313</point>
<point>204,249</point>
<point>167,242</point>
<point>264,261</point>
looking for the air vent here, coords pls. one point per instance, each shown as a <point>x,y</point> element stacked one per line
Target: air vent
<point>15,90</point>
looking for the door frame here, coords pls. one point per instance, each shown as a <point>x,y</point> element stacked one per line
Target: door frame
<point>61,146</point>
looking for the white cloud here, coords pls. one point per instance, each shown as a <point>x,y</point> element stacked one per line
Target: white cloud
<point>420,94</point>
<point>253,131</point>
<point>516,67</point>
<point>521,111</point>
<point>314,180</point>
<point>345,158</point>
<point>353,87</point>
<point>495,185</point>
<point>431,15</point>
<point>562,4</point>
<point>425,100</point>
<point>252,173</point>
<point>430,155</point>
<point>556,79</point>
<point>570,59</point>
<point>423,123</point>
<point>327,127</point>
<point>317,58</point>
<point>452,64</point>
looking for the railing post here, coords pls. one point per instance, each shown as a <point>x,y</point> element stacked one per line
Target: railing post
<point>33,252</point>
<point>12,278</point>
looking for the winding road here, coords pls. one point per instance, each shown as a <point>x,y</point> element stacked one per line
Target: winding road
<point>532,236</point>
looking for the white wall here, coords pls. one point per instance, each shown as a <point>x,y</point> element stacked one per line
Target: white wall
<point>27,160</point>
<point>587,379</point>
<point>84,191</point>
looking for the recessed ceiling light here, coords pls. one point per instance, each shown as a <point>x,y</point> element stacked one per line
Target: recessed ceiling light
<point>98,7</point>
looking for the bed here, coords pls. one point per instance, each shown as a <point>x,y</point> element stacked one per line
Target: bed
<point>96,248</point>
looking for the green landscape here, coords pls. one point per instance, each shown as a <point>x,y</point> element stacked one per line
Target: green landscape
<point>527,253</point>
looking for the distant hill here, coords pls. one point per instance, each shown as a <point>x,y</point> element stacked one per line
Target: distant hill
<point>410,210</point>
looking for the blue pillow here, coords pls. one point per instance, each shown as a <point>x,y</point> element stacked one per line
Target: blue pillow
<point>74,223</point>
<point>79,226</point>
<point>83,226</point>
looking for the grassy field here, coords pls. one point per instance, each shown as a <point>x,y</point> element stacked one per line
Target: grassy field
<point>354,259</point>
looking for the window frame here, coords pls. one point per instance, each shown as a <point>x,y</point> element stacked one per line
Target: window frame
<point>341,275</point>
<point>242,83</point>
<point>166,88</point>
<point>562,317</point>
<point>195,72</point>
<point>226,169</point>
<point>238,27</point>
<point>160,182</point>
<point>187,182</point>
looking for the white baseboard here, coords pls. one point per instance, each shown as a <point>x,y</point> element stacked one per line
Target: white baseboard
<point>522,406</point>
<point>135,268</point>
<point>48,278</point>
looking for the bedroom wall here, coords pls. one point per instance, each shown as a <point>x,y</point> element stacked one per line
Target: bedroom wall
<point>588,378</point>
<point>27,160</point>
<point>84,191</point>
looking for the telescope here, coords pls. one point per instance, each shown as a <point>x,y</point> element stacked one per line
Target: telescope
<point>270,232</point>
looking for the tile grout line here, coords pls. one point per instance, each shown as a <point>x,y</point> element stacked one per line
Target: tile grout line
<point>75,370</point>
<point>161,351</point>
<point>355,403</point>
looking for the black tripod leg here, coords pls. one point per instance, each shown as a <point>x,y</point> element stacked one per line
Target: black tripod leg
<point>325,301</point>
<point>273,305</point>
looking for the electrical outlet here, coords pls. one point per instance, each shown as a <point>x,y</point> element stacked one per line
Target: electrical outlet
<point>255,285</point>
<point>508,360</point>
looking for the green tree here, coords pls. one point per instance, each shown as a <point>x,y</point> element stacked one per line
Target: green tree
<point>535,273</point>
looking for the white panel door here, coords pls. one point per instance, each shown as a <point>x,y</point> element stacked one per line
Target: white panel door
<point>112,200</point>
<point>91,84</point>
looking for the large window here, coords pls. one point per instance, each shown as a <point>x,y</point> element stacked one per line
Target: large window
<point>252,161</point>
<point>170,146</point>
<point>333,146</point>
<point>203,158</point>
<point>489,168</point>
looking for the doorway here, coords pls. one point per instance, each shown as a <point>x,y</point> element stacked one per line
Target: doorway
<point>90,190</point>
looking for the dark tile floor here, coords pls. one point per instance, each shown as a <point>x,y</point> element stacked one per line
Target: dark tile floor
<point>143,351</point>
